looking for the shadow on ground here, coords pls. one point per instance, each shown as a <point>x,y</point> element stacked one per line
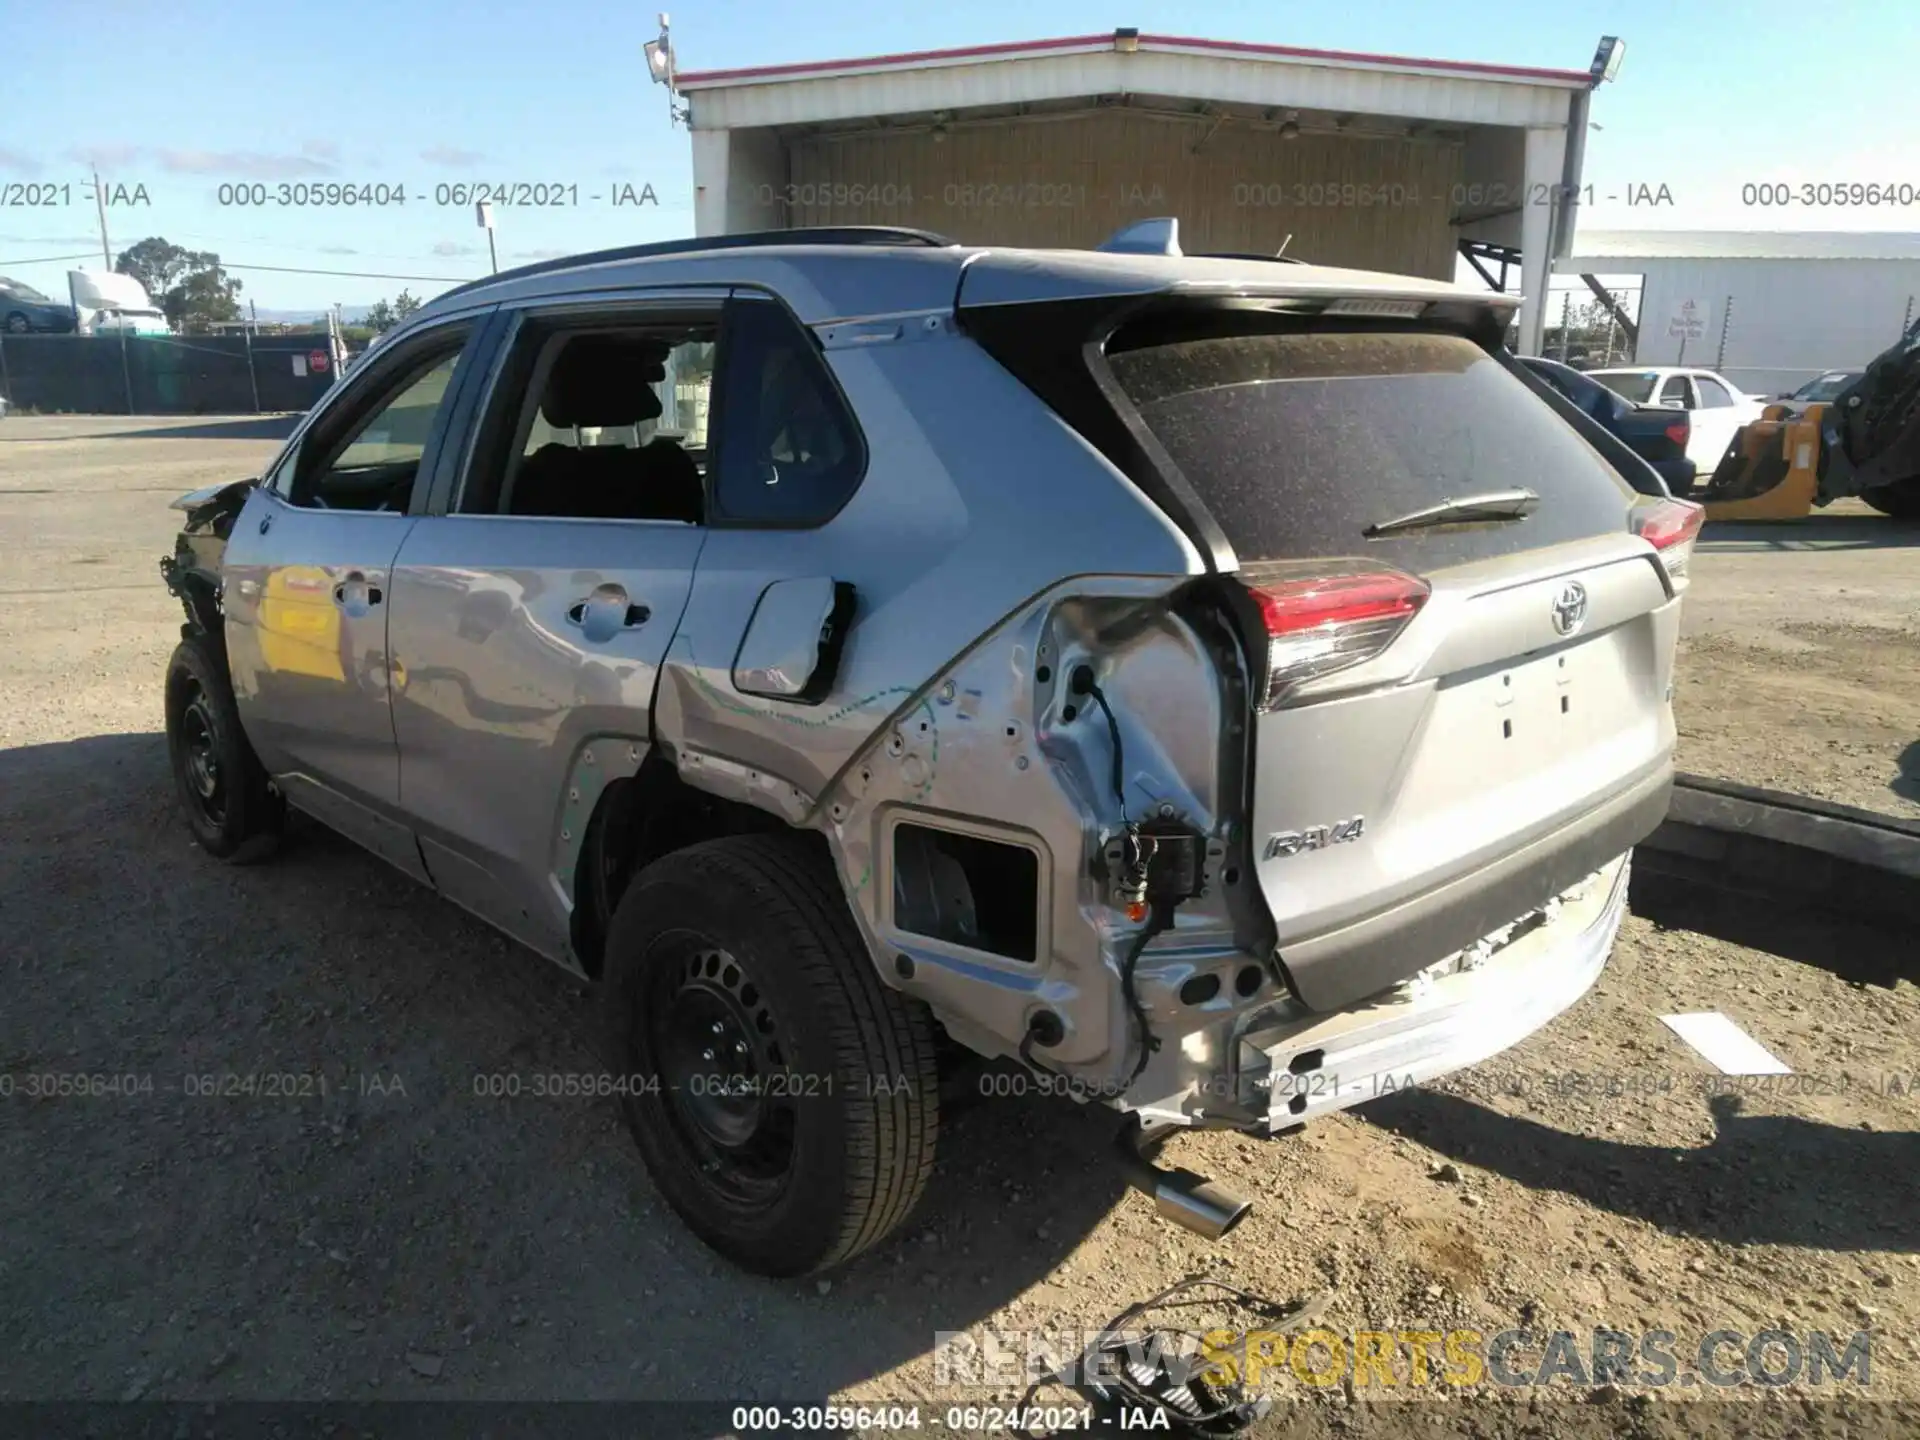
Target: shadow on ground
<point>1855,948</point>
<point>1813,532</point>
<point>1906,784</point>
<point>308,1244</point>
<point>1764,1179</point>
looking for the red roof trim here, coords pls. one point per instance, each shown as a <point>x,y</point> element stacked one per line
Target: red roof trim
<point>906,57</point>
<point>1016,48</point>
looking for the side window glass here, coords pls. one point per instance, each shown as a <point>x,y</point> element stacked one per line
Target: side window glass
<point>280,479</point>
<point>372,467</point>
<point>611,426</point>
<point>789,452</point>
<point>1713,395</point>
<point>1675,390</point>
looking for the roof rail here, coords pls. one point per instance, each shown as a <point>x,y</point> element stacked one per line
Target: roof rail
<point>805,235</point>
<point>1249,255</point>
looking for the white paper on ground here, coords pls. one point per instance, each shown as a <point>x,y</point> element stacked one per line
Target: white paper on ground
<point>1724,1045</point>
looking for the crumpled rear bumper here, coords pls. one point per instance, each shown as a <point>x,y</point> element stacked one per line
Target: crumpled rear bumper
<point>1437,1022</point>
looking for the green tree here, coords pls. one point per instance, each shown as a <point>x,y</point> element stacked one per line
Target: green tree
<point>383,315</point>
<point>205,295</point>
<point>189,285</point>
<point>156,264</point>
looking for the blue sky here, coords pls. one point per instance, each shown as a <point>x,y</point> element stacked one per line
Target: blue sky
<point>186,97</point>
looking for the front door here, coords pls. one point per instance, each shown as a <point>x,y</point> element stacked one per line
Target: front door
<point>308,575</point>
<point>530,622</point>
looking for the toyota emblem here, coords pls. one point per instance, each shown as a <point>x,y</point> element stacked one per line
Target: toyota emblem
<point>1570,607</point>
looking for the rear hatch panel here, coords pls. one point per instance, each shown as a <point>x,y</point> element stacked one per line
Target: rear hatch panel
<point>1490,762</point>
<point>1458,767</point>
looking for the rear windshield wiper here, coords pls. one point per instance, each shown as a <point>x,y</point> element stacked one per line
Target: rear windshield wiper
<point>1514,504</point>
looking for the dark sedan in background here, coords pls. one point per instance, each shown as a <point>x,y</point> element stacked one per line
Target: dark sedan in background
<point>1823,390</point>
<point>1654,433</point>
<point>24,310</point>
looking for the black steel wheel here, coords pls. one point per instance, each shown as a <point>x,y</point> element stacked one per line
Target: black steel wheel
<point>202,785</point>
<point>784,1098</point>
<point>730,1097</point>
<point>229,805</point>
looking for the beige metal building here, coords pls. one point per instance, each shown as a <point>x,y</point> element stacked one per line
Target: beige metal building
<point>1375,161</point>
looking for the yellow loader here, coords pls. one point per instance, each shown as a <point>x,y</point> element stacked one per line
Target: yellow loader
<point>1865,443</point>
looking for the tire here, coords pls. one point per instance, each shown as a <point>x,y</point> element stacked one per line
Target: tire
<point>229,804</point>
<point>735,966</point>
<point>18,324</point>
<point>1900,499</point>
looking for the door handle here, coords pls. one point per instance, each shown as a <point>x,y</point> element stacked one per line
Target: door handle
<point>344,596</point>
<point>636,615</point>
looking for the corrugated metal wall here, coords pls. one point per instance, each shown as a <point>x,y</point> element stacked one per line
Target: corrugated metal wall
<point>1369,203</point>
<point>1788,319</point>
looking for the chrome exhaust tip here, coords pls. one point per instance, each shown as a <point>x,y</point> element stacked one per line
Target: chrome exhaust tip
<point>1191,1201</point>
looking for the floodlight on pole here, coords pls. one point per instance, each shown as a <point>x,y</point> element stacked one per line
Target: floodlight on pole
<point>1606,59</point>
<point>660,66</point>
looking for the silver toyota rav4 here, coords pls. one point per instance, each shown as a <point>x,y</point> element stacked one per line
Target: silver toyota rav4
<point>1224,688</point>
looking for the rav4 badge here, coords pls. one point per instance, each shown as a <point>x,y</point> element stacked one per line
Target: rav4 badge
<point>1283,843</point>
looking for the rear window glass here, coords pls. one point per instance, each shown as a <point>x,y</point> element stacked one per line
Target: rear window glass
<point>1299,441</point>
<point>1635,387</point>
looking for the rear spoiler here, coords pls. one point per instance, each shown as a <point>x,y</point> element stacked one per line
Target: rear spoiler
<point>1118,276</point>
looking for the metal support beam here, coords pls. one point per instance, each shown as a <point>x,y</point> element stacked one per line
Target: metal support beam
<point>1505,256</point>
<point>1492,284</point>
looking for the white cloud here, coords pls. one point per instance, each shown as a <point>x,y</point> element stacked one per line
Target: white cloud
<point>106,157</point>
<point>249,163</point>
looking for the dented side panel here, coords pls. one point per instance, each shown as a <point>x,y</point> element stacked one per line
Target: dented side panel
<point>977,589</point>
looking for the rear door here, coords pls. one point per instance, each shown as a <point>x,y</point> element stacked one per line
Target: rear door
<point>1460,719</point>
<point>531,614</point>
<point>307,585</point>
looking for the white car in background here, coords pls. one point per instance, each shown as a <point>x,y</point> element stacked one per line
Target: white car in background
<point>1715,406</point>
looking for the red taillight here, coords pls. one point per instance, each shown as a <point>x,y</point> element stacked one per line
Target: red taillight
<point>1322,618</point>
<point>1294,605</point>
<point>1679,432</point>
<point>1671,527</point>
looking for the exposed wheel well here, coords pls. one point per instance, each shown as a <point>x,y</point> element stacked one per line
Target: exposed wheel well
<point>637,820</point>
<point>198,596</point>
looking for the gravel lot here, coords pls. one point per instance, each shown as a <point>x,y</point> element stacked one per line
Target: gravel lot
<point>399,1237</point>
<point>1801,658</point>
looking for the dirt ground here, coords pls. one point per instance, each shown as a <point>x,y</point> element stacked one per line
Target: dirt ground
<point>386,1232</point>
<point>1800,658</point>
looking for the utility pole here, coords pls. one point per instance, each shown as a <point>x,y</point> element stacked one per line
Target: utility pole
<point>100,208</point>
<point>483,216</point>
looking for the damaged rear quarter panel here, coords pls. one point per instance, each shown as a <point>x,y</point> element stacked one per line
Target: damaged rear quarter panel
<point>983,520</point>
